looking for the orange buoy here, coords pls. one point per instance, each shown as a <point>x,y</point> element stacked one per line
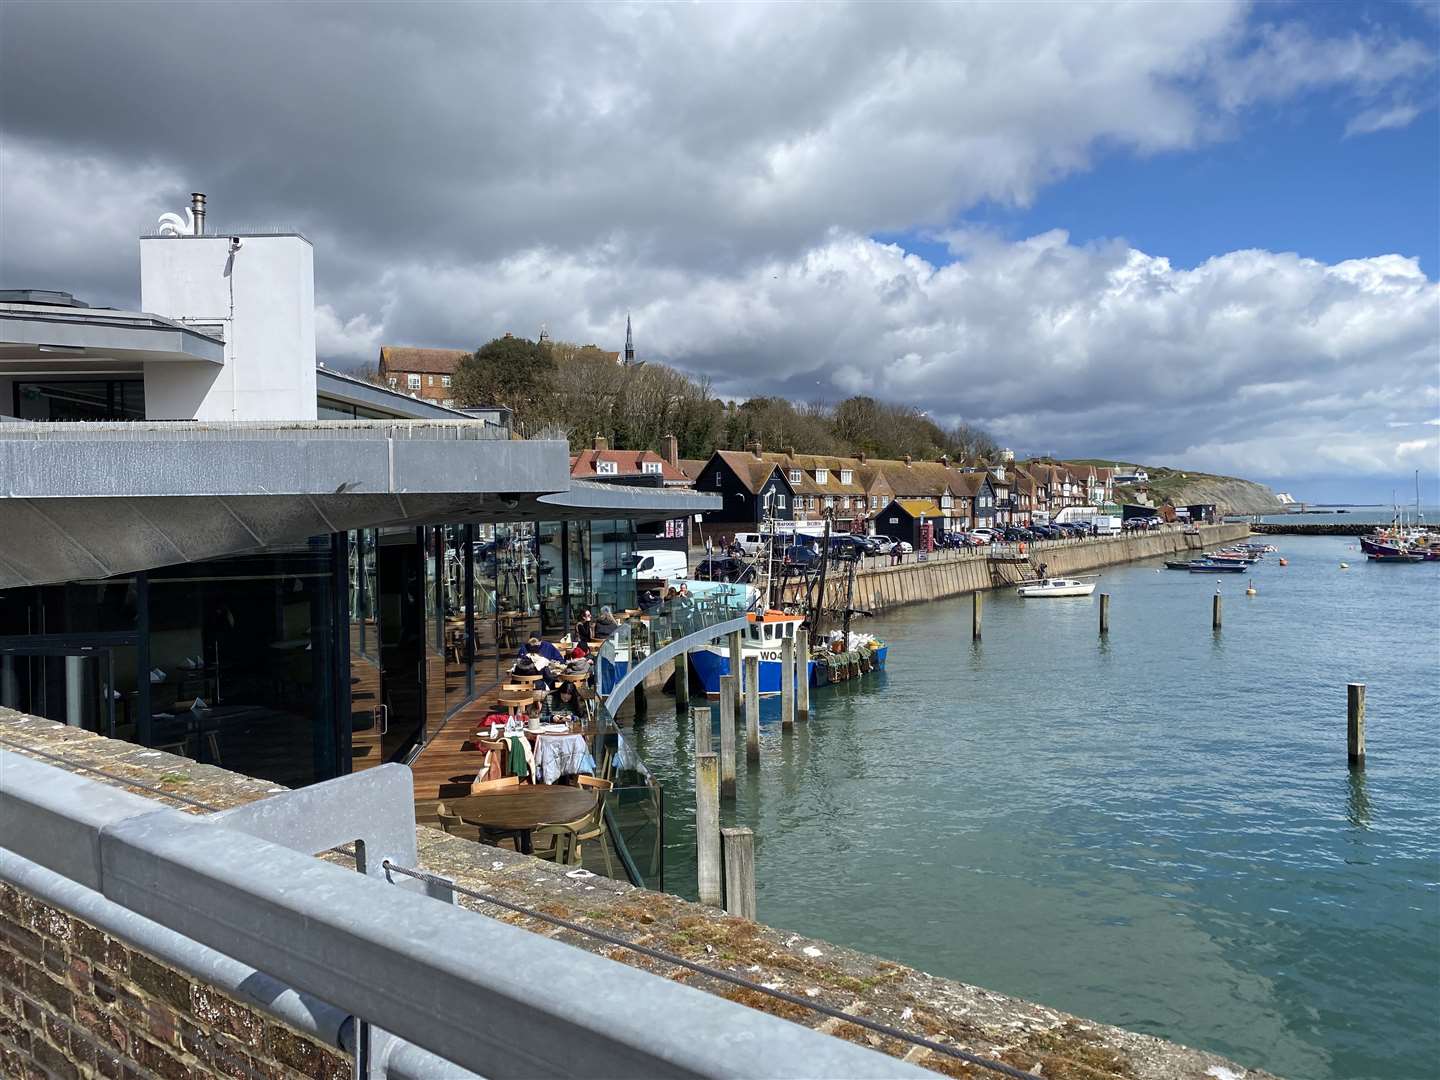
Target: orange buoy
<point>1284,562</point>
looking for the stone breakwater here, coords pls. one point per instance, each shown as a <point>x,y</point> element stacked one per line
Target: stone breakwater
<point>1349,528</point>
<point>947,574</point>
<point>76,1002</point>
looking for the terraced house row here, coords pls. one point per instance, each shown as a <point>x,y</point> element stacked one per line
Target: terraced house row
<point>860,494</point>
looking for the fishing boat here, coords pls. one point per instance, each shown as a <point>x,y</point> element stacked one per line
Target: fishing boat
<point>1395,556</point>
<point>1057,587</point>
<point>1208,566</point>
<point>763,639</point>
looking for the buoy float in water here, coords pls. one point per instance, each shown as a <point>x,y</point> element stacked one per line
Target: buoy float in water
<point>1251,590</point>
<point>1284,562</point>
<point>1344,566</point>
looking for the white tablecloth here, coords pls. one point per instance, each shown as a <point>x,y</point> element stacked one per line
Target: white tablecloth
<point>562,755</point>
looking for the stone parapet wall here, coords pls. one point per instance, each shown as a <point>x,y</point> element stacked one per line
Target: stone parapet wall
<point>76,1003</point>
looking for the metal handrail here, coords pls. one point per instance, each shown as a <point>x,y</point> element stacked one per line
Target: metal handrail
<point>419,968</point>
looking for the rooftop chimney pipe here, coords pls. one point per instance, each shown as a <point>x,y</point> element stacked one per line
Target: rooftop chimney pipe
<point>197,207</point>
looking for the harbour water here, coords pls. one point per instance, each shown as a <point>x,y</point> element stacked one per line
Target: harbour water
<point>1157,829</point>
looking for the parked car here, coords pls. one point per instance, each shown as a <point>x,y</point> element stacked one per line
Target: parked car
<point>984,535</point>
<point>905,547</point>
<point>882,544</point>
<point>849,546</point>
<point>802,556</point>
<point>720,568</point>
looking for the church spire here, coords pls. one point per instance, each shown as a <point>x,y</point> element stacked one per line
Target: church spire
<point>629,343</point>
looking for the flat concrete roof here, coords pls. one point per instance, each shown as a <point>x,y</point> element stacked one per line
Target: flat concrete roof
<point>32,334</point>
<point>347,388</point>
<point>91,500</point>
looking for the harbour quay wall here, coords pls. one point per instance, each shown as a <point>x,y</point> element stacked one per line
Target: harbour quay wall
<point>77,1002</point>
<point>955,573</point>
<point>1349,528</point>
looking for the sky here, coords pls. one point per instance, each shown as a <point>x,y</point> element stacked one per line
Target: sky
<point>1197,234</point>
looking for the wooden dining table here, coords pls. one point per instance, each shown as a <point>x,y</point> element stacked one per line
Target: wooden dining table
<point>524,809</point>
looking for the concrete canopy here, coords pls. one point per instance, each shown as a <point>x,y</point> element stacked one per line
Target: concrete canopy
<point>32,334</point>
<point>80,501</point>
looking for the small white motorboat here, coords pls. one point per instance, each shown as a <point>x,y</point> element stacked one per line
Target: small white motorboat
<point>1058,586</point>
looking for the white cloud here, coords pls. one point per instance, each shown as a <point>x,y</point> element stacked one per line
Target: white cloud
<point>719,169</point>
<point>354,339</point>
<point>1381,118</point>
<point>1251,361</point>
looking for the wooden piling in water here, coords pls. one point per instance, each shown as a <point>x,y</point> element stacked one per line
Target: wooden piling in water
<point>802,670</point>
<point>1215,613</point>
<point>700,722</point>
<point>1104,613</point>
<point>735,654</point>
<point>1355,723</point>
<point>707,828</point>
<point>752,708</point>
<point>977,604</point>
<point>787,683</point>
<point>738,847</point>
<point>682,681</point>
<point>727,736</point>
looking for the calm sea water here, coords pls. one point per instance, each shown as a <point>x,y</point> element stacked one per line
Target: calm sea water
<point>1157,830</point>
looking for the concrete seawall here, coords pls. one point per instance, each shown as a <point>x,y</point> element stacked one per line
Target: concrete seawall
<point>948,574</point>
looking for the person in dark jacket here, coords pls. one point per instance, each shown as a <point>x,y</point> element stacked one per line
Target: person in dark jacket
<point>585,628</point>
<point>606,625</point>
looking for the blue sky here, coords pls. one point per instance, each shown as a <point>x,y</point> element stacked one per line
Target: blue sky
<point>1126,182</point>
<point>1283,177</point>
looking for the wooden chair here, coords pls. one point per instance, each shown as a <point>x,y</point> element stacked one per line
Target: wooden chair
<point>556,843</point>
<point>592,825</point>
<point>486,787</point>
<point>451,823</point>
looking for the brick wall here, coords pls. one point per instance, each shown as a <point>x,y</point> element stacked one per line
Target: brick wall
<point>74,1002</point>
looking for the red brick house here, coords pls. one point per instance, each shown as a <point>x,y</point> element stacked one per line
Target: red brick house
<point>421,373</point>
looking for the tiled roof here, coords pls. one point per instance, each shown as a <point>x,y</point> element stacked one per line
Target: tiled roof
<point>627,463</point>
<point>916,507</point>
<point>753,472</point>
<point>404,358</point>
<point>692,467</point>
<point>809,463</point>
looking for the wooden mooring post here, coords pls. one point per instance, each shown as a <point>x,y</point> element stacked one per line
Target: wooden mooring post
<point>1215,612</point>
<point>682,681</point>
<point>977,606</point>
<point>1355,724</point>
<point>752,708</point>
<point>727,736</point>
<point>700,721</point>
<point>735,654</point>
<point>787,683</point>
<point>738,845</point>
<point>802,668</point>
<point>707,828</point>
<point>1104,613</point>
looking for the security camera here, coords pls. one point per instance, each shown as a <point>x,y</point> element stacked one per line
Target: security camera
<point>236,244</point>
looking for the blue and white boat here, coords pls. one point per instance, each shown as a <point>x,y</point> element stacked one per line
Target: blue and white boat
<point>763,639</point>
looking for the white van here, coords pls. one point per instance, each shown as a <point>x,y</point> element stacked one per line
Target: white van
<point>750,543</point>
<point>661,563</point>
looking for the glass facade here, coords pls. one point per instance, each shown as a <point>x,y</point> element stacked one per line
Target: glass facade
<point>305,662</point>
<point>77,399</point>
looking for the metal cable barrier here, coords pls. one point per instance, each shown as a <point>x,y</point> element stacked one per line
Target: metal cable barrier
<point>407,1060</point>
<point>725,976</point>
<point>411,974</point>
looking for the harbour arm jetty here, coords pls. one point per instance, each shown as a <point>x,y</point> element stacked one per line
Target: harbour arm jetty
<point>83,997</point>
